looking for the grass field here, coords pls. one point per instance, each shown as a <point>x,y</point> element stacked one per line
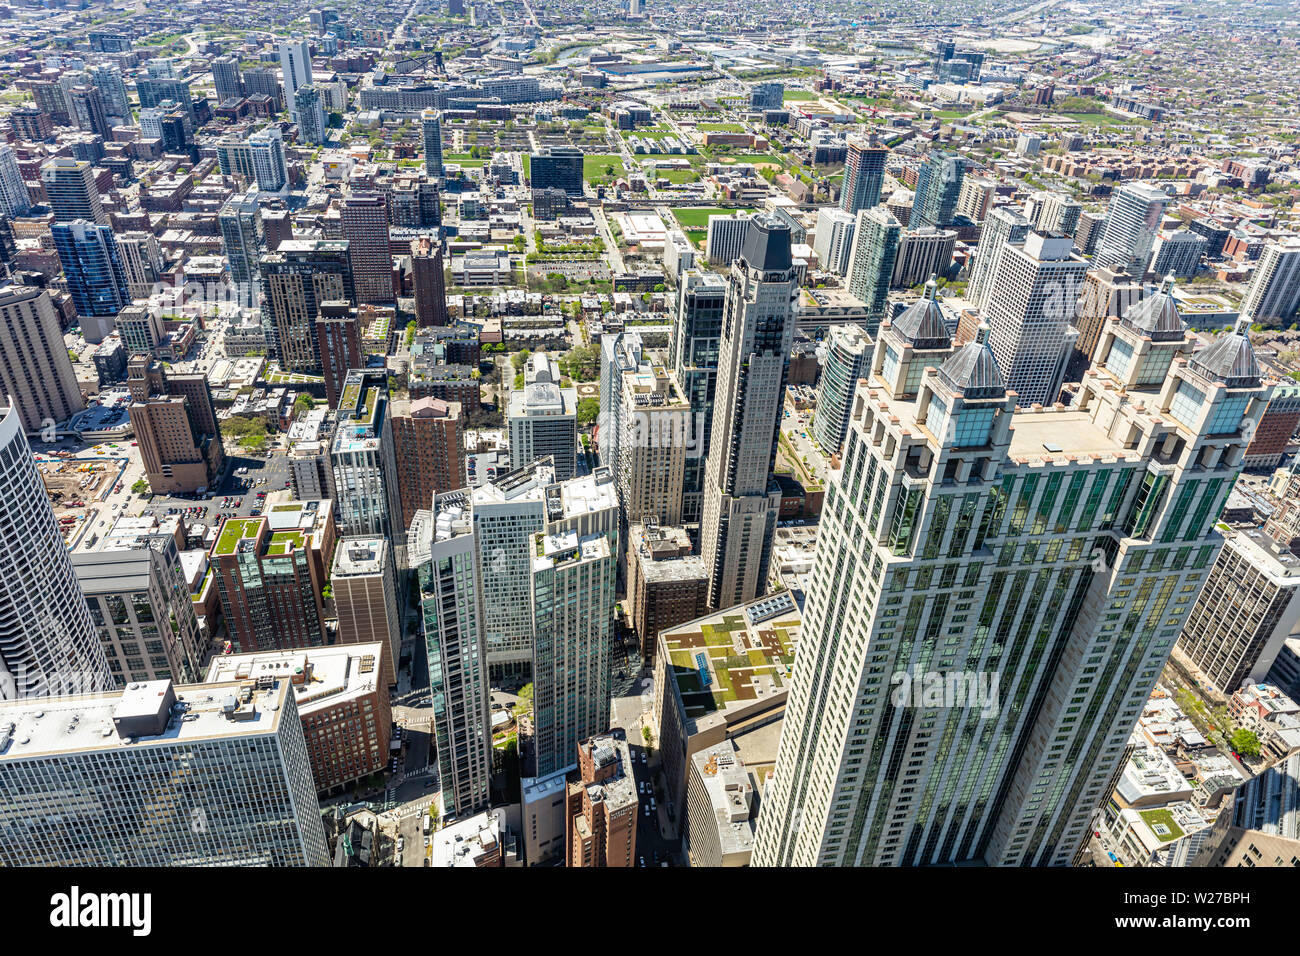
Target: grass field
<point>593,165</point>
<point>679,176</point>
<point>463,159</point>
<point>720,127</point>
<point>793,96</point>
<point>698,218</point>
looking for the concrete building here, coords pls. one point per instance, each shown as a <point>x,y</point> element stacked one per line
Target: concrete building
<point>175,424</point>
<point>364,220</point>
<point>1274,291</point>
<point>270,573</point>
<point>363,457</point>
<point>1177,253</point>
<point>48,642</point>
<point>295,71</point>
<point>1003,225</point>
<point>1262,825</point>
<point>667,584</point>
<point>1108,291</point>
<point>741,500</point>
<point>922,254</point>
<point>71,191</point>
<point>1249,606</point>
<point>542,419</point>
<point>1132,222</point>
<point>1032,297</point>
<point>36,375</point>
<point>364,581</point>
<point>724,238</point>
<point>297,278</point>
<point>544,811</point>
<point>834,240</point>
<point>479,841</point>
<point>864,174</point>
<point>601,805</point>
<point>722,809</point>
<point>1105,510</point>
<point>654,432</point>
<point>340,699</point>
<point>229,760</point>
<point>848,348</point>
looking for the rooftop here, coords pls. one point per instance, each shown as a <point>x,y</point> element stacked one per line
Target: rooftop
<point>320,677</point>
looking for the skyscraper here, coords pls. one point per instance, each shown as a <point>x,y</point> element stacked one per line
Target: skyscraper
<point>266,147</point>
<point>108,78</point>
<point>693,352</point>
<point>834,240</point>
<point>87,106</point>
<point>429,440</point>
<point>572,603</point>
<point>947,708</point>
<point>364,219</point>
<point>864,174</point>
<point>241,236</point>
<point>295,71</point>
<point>557,167</point>
<point>36,375</point>
<point>296,278</point>
<point>431,127</point>
<point>429,283</point>
<point>1004,224</point>
<point>14,200</point>
<point>847,349</point>
<point>221,777</point>
<point>48,643</point>
<point>70,188</point>
<point>1131,226</point>
<point>1274,291</point>
<point>442,549</point>
<point>96,279</point>
<point>226,78</point>
<point>366,597</point>
<point>741,500</point>
<point>937,189</point>
<point>338,340</point>
<point>542,419</point>
<point>871,266</point>
<point>1031,303</point>
<point>364,460</point>
<point>311,114</point>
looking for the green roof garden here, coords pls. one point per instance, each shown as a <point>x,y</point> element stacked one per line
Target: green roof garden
<point>282,542</point>
<point>737,658</point>
<point>234,531</point>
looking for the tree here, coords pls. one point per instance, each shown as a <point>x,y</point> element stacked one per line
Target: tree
<point>588,410</point>
<point>520,359</point>
<point>303,403</point>
<point>1245,742</point>
<point>140,487</point>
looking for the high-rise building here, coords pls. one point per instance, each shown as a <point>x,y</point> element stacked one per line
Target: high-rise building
<point>270,572</point>
<point>71,191</point>
<point>937,187</point>
<point>142,609</point>
<point>226,78</point>
<point>864,174</point>
<point>429,283</point>
<point>296,278</point>
<point>36,375</point>
<point>1004,224</point>
<point>976,198</point>
<point>364,581</point>
<point>508,514</point>
<point>848,347</point>
<point>653,423</point>
<point>338,339</point>
<point>363,458</point>
<point>310,108</point>
<point>1274,291</point>
<point>429,443</point>
<point>871,266</point>
<point>721,808</point>
<point>1132,222</point>
<point>1246,611</point>
<point>1276,427</point>
<point>431,129</point>
<point>295,71</point>
<point>364,220</point>
<point>542,419</point>
<point>142,261</point>
<point>725,236</point>
<point>1030,306</point>
<point>1108,291</point>
<point>1177,253</point>
<point>345,711</point>
<point>266,153</point>
<point>14,199</point>
<point>117,105</point>
<point>741,500</point>
<point>572,605</point>
<point>922,254</point>
<point>1053,213</point>
<point>175,423</point>
<point>241,236</point>
<point>693,353</point>
<point>48,643</point>
<point>1261,824</point>
<point>767,96</point>
<point>667,584</point>
<point>834,240</point>
<point>442,549</point>
<point>601,803</point>
<point>228,762</point>
<point>999,740</point>
<point>557,167</point>
<point>86,104</point>
<point>93,269</point>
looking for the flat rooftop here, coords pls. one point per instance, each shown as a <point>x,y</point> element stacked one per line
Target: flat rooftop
<point>725,661</point>
<point>320,677</point>
<point>1054,434</point>
<point>80,724</point>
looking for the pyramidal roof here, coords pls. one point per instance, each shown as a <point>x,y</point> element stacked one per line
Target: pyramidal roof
<point>1229,359</point>
<point>922,322</point>
<point>973,371</point>
<point>1157,315</point>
